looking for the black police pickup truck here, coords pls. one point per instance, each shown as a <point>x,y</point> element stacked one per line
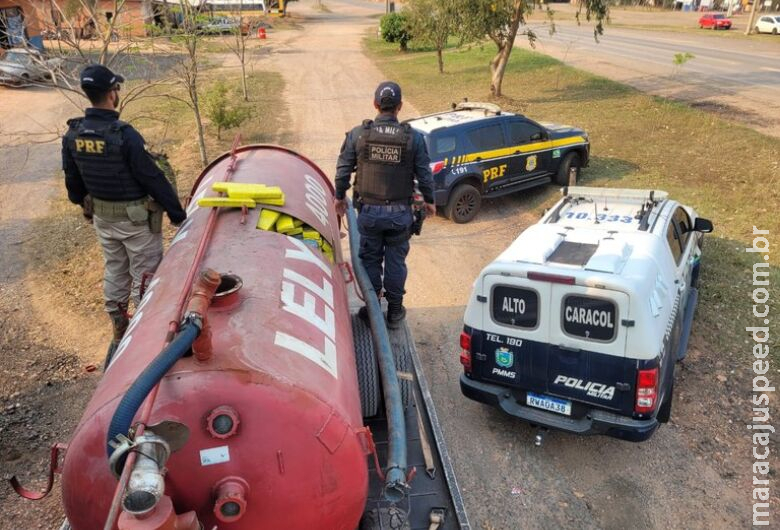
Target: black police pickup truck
<point>479,151</point>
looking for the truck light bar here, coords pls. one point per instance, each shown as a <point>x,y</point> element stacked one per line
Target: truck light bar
<point>552,278</point>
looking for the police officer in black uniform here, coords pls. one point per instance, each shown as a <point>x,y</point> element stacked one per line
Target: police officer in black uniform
<point>111,175</point>
<point>387,157</point>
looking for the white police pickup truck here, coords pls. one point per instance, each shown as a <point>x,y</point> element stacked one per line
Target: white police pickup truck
<point>578,324</point>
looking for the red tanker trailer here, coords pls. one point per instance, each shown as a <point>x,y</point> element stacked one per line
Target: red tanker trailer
<point>245,394</point>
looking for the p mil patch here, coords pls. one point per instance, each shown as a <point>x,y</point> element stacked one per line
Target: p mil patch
<point>388,154</point>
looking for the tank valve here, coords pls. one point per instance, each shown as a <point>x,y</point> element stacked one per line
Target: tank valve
<point>231,499</point>
<point>222,422</point>
<point>202,294</point>
<point>146,485</point>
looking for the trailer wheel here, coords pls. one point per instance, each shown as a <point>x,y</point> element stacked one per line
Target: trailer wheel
<point>390,518</point>
<point>367,368</point>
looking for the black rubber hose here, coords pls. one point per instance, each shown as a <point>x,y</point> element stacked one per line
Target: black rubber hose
<point>149,378</point>
<point>395,471</point>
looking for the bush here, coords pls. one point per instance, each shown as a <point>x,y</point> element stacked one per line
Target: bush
<point>395,28</point>
<point>220,112</point>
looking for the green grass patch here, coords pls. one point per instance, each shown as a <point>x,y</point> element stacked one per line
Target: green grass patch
<point>727,172</point>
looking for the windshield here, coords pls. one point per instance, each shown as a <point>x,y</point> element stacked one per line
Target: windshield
<point>16,57</point>
<point>777,19</point>
<point>718,16</point>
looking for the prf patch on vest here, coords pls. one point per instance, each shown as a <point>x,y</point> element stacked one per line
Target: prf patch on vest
<point>90,147</point>
<point>389,154</point>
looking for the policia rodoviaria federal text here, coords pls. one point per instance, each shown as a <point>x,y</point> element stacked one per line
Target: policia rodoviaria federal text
<point>387,157</point>
<point>116,181</point>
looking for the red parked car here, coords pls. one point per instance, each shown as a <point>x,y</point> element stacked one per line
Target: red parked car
<point>714,21</point>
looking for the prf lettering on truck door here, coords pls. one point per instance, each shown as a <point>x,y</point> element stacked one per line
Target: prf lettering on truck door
<point>494,173</point>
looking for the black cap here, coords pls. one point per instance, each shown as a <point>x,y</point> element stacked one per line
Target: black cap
<point>388,94</point>
<point>99,77</point>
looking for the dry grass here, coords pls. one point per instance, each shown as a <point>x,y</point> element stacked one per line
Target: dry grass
<point>168,124</point>
<point>729,173</point>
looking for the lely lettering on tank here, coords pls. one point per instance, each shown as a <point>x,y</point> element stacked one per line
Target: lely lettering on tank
<point>384,153</point>
<point>309,298</point>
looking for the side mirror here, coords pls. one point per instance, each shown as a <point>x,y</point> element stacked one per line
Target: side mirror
<point>702,225</point>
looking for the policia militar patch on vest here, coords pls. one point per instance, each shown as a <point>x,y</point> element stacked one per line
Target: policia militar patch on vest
<point>385,169</point>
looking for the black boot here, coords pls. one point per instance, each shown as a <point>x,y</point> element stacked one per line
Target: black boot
<point>396,313</point>
<point>120,322</point>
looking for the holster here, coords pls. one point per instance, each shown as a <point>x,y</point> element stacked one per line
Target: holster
<point>155,216</point>
<point>419,218</point>
<point>88,208</point>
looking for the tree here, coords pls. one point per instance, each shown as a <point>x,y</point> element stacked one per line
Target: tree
<point>186,68</point>
<point>237,45</point>
<point>395,28</point>
<point>433,22</point>
<point>220,112</point>
<point>500,21</point>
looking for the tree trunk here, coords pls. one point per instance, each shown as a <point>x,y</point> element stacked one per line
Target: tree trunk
<point>243,78</point>
<point>752,19</point>
<point>199,125</point>
<point>497,69</point>
<point>499,62</point>
<point>441,60</point>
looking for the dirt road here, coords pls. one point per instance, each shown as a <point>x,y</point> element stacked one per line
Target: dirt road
<point>669,482</point>
<point>43,384</point>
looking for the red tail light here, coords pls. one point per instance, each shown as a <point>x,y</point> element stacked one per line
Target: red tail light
<point>646,391</point>
<point>552,278</point>
<point>465,353</point>
<point>436,167</point>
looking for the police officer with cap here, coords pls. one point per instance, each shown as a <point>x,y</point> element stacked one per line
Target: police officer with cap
<point>120,188</point>
<point>387,157</point>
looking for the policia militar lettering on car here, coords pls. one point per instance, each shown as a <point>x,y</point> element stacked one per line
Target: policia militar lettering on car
<point>479,151</point>
<point>578,324</point>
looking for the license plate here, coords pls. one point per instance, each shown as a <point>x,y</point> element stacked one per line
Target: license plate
<point>561,406</point>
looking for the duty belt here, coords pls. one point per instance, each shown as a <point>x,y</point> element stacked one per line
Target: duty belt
<point>115,210</point>
<point>374,202</point>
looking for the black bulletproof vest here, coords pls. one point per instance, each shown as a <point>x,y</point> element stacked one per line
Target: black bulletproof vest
<point>96,147</point>
<point>385,167</point>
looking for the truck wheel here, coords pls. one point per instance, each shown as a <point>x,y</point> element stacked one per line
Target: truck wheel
<point>367,368</point>
<point>572,160</point>
<point>665,412</point>
<point>390,518</point>
<point>464,203</point>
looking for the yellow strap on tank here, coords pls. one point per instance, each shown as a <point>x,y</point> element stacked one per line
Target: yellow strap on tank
<point>272,202</point>
<point>225,202</point>
<point>242,190</point>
